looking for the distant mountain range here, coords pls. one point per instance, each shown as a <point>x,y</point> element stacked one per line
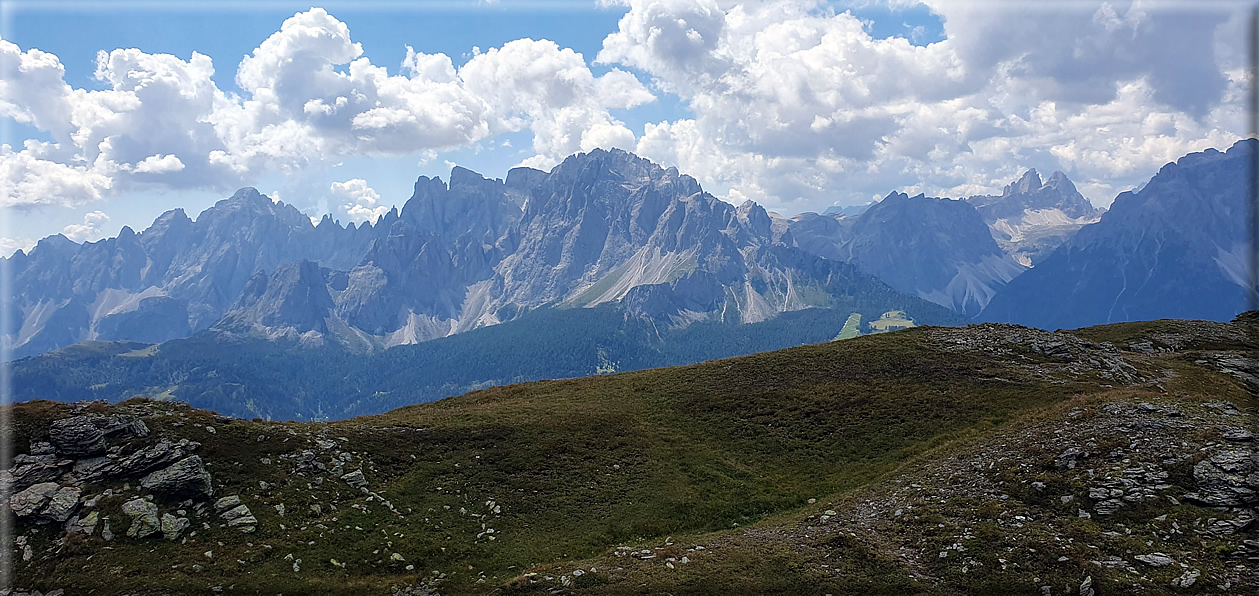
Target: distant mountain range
<point>610,228</point>
<point>1176,248</point>
<point>602,227</point>
<point>938,249</point>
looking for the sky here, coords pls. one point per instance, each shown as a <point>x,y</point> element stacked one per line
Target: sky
<point>114,112</point>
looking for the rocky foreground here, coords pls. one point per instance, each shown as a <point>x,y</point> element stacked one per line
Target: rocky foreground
<point>1138,472</point>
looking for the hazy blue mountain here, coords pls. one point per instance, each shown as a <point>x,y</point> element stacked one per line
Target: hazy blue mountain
<point>1031,217</point>
<point>1176,248</point>
<point>460,255</point>
<point>938,249</point>
<point>850,210</point>
<point>175,278</point>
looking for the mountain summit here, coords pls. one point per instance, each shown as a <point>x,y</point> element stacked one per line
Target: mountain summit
<point>1031,217</point>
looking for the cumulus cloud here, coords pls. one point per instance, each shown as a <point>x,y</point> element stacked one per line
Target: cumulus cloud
<point>159,164</point>
<point>91,228</point>
<point>308,96</point>
<point>358,201</point>
<point>29,180</point>
<point>787,102</point>
<point>799,107</point>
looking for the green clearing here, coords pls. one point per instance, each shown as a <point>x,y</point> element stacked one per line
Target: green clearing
<point>891,320</point>
<point>852,327</point>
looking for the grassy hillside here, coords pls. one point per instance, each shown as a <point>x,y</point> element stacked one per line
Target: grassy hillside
<point>726,453</point>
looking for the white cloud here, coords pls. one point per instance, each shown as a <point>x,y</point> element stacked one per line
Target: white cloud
<point>358,201</point>
<point>799,107</point>
<point>91,228</point>
<point>789,103</point>
<point>159,164</point>
<point>309,97</point>
<point>30,181</point>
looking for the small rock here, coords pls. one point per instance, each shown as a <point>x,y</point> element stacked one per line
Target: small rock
<point>1155,559</point>
<point>62,504</point>
<point>241,518</point>
<point>83,525</point>
<point>1238,435</point>
<point>1186,579</point>
<point>173,527</point>
<point>355,479</point>
<point>1108,506</point>
<point>1086,588</point>
<point>226,503</point>
<point>85,435</point>
<point>42,448</point>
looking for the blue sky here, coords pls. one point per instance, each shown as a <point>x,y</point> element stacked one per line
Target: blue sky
<point>795,104</point>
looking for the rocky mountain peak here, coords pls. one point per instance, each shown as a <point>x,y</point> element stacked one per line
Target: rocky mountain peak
<point>523,178</point>
<point>248,194</point>
<point>173,219</point>
<point>462,178</point>
<point>1029,182</point>
<point>1059,180</point>
<point>755,218</point>
<point>1186,223</point>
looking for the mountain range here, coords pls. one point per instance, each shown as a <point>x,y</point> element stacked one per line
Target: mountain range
<point>602,227</point>
<point>659,271</point>
<point>1176,248</point>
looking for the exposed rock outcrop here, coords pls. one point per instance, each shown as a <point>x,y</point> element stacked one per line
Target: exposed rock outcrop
<point>186,477</point>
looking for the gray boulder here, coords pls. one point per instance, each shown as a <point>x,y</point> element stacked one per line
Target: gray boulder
<point>42,448</point>
<point>1155,559</point>
<point>32,499</point>
<point>62,504</point>
<point>29,470</point>
<point>144,520</point>
<point>1229,478</point>
<point>143,460</point>
<point>228,502</point>
<point>85,435</point>
<point>173,527</point>
<point>83,525</point>
<point>186,477</point>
